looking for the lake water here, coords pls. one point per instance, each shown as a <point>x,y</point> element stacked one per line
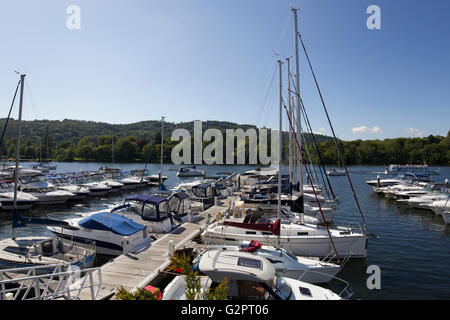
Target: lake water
<point>412,248</point>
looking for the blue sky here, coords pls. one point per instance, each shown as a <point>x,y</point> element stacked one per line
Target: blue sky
<point>214,60</point>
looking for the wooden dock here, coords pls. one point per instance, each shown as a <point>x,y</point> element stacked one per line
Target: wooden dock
<point>133,271</point>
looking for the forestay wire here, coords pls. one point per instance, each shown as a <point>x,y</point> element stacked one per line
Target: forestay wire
<point>334,135</point>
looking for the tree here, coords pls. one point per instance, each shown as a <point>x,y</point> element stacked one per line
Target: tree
<point>126,149</point>
<point>181,263</point>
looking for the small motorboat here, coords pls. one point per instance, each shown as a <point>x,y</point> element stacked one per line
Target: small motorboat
<point>335,172</point>
<point>190,172</point>
<point>286,265</point>
<point>113,234</point>
<point>45,192</point>
<point>40,251</point>
<point>249,277</point>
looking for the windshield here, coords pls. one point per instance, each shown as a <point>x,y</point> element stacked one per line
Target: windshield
<point>282,288</point>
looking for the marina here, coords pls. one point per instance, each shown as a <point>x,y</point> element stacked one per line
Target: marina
<point>393,251</point>
<point>171,208</point>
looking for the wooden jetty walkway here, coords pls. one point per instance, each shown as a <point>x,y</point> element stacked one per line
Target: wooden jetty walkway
<point>133,271</point>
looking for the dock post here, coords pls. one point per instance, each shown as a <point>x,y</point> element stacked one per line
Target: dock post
<point>213,193</point>
<point>189,214</point>
<point>378,181</point>
<point>239,182</point>
<point>171,248</point>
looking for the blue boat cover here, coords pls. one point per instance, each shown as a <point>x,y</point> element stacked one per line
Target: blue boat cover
<point>146,199</point>
<point>111,222</point>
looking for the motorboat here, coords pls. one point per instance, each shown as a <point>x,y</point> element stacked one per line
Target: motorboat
<point>286,265</point>
<point>129,182</point>
<point>63,183</point>
<point>24,201</point>
<point>8,172</point>
<point>411,168</point>
<point>336,172</point>
<point>95,188</point>
<point>45,192</point>
<point>150,178</point>
<point>402,178</point>
<point>179,203</point>
<point>190,172</point>
<point>32,251</point>
<point>249,277</point>
<point>112,234</point>
<point>115,186</point>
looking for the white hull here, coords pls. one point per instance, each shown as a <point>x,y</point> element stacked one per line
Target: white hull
<point>106,242</point>
<point>446,216</point>
<point>353,245</point>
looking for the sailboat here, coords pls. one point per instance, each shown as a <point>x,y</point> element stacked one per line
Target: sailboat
<point>300,239</point>
<point>20,252</point>
<point>336,172</point>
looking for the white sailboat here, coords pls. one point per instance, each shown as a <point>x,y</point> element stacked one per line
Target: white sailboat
<point>20,252</point>
<point>298,238</point>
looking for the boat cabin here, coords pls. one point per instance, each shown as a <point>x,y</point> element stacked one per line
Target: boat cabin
<point>150,208</point>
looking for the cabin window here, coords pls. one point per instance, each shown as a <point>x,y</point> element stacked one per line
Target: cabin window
<point>149,211</point>
<point>17,250</point>
<point>164,210</point>
<point>250,232</point>
<point>251,291</point>
<point>305,291</point>
<point>267,233</point>
<point>302,233</point>
<point>250,263</point>
<point>175,205</point>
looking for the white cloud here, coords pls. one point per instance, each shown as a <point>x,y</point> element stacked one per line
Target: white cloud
<point>320,131</point>
<point>364,129</point>
<point>414,131</point>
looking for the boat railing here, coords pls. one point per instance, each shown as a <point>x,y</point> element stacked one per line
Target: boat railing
<point>343,289</point>
<point>58,282</point>
<point>78,248</point>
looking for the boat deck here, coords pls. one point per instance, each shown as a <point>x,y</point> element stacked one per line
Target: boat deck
<point>136,270</point>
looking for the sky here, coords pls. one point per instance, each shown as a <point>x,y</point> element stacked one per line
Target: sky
<point>217,60</point>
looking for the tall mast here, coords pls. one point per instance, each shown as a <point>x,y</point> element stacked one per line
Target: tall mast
<point>162,150</point>
<point>280,142</point>
<point>291,145</point>
<point>297,84</point>
<point>22,82</point>
<point>112,143</point>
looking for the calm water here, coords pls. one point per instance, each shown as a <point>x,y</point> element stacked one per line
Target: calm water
<point>412,247</point>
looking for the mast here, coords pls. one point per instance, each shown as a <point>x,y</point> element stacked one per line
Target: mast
<point>112,142</point>
<point>297,84</point>
<point>162,150</point>
<point>280,147</point>
<point>291,145</point>
<point>22,82</point>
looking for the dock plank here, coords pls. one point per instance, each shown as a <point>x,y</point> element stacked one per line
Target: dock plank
<point>136,270</point>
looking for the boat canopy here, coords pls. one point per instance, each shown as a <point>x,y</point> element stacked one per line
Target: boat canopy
<point>150,208</point>
<point>111,222</point>
<point>146,199</point>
